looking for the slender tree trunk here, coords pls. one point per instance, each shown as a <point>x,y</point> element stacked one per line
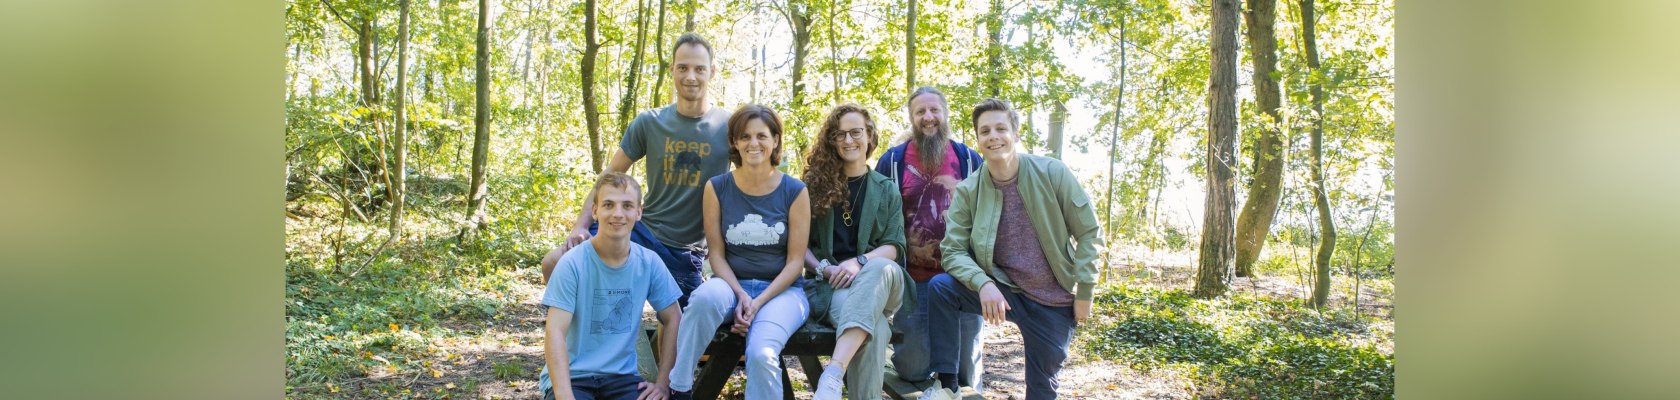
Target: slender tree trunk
<point>910,48</point>
<point>591,115</point>
<point>1358,257</point>
<point>481,121</point>
<point>1113,141</point>
<point>1218,254</point>
<point>657,97</point>
<point>401,186</point>
<point>364,62</point>
<point>1058,124</point>
<point>799,21</point>
<point>1029,128</point>
<point>1255,222</point>
<point>994,50</point>
<point>834,52</point>
<point>688,21</point>
<point>291,82</point>
<point>1326,225</point>
<point>628,103</point>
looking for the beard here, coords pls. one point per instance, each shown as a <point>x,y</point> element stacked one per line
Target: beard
<point>930,147</point>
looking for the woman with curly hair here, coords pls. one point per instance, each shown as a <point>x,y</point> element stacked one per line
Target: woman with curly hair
<point>857,234</point>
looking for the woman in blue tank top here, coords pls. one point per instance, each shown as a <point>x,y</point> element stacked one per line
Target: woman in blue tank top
<point>757,224</point>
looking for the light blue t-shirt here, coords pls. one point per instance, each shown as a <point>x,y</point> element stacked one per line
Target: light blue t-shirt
<point>606,307</point>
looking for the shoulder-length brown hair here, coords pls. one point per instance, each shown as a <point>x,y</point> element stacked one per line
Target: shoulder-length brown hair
<point>825,176</point>
<point>738,127</point>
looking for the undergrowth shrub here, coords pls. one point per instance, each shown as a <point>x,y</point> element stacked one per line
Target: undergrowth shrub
<point>1242,346</point>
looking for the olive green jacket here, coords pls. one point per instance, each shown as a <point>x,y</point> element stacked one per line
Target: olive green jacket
<point>1061,214</point>
<point>881,224</point>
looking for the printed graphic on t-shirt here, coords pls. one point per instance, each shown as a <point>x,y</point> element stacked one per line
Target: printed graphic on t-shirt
<point>682,162</point>
<point>752,231</point>
<point>617,312</point>
<point>926,197</point>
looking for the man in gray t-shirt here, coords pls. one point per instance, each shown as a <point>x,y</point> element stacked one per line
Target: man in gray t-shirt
<point>685,144</point>
<point>682,153</point>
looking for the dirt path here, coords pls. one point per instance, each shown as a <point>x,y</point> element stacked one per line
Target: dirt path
<point>502,360</point>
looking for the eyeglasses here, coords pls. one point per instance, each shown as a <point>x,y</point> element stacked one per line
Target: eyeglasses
<point>855,134</point>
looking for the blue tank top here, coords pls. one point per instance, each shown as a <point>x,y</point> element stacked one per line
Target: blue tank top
<point>755,228</point>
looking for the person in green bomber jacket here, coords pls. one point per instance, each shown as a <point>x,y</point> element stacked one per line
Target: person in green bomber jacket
<point>857,243</point>
<point>1020,245</point>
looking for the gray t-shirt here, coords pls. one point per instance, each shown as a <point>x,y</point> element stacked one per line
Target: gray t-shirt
<point>682,153</point>
<point>755,228</point>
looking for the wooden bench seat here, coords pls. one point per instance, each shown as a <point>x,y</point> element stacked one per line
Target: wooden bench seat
<point>806,344</point>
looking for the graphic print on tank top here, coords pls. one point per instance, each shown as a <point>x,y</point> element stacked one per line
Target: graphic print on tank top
<point>752,231</point>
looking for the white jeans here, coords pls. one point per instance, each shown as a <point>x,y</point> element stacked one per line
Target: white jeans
<point>712,305</point>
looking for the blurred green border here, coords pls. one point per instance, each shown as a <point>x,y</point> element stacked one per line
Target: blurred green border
<point>140,144</point>
<point>141,180</point>
<point>1536,199</point>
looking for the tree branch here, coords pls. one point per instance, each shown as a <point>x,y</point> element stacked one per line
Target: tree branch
<point>340,17</point>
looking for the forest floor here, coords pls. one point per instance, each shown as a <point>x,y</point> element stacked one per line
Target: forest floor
<point>450,328</point>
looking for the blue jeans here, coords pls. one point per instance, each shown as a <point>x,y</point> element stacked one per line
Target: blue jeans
<point>1045,331</point>
<point>683,263</point>
<point>714,306</point>
<point>911,357</point>
<point>602,387</point>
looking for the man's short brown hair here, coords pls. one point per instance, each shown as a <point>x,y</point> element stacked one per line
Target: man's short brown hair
<point>996,105</point>
<point>692,38</point>
<point>618,180</point>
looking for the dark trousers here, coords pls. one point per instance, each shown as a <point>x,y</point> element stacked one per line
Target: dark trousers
<point>1045,331</point>
<point>683,263</point>
<point>603,387</point>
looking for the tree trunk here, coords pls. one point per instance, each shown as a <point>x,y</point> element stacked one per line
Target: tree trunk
<point>401,187</point>
<point>628,103</point>
<point>1058,124</point>
<point>834,52</point>
<point>1326,225</point>
<point>1218,254</point>
<point>591,115</point>
<point>688,22</point>
<point>994,50</point>
<point>1255,222</point>
<point>799,20</point>
<point>910,48</point>
<point>364,62</point>
<point>1113,140</point>
<point>656,97</point>
<point>481,121</point>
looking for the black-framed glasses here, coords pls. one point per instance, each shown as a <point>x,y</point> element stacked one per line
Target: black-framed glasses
<point>855,134</point>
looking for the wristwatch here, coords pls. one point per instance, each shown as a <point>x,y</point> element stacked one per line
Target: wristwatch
<point>863,259</point>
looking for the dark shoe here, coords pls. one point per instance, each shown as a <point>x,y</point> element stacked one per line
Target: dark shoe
<point>683,395</point>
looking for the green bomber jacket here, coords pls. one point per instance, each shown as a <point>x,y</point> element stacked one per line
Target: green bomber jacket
<point>1061,214</point>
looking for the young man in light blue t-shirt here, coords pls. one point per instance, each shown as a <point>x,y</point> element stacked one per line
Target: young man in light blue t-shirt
<point>594,302</point>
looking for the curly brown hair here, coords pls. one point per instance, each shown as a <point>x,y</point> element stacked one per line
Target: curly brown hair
<point>825,175</point>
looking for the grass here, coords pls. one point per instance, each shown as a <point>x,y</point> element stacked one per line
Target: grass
<point>1244,346</point>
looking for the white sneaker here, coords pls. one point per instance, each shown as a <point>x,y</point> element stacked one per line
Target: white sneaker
<point>937,393</point>
<point>828,387</point>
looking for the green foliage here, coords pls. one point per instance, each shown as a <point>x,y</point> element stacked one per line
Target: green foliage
<point>506,370</point>
<point>1243,346</point>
